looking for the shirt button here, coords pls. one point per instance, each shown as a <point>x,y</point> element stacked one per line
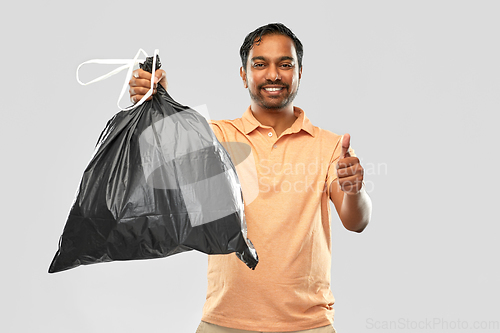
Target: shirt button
<point>270,133</point>
<point>275,146</point>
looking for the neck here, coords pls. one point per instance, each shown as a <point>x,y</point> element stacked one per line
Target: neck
<point>278,119</point>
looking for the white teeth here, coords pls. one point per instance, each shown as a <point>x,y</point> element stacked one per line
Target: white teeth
<point>272,89</point>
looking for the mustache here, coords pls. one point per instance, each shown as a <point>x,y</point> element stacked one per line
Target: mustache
<point>276,83</point>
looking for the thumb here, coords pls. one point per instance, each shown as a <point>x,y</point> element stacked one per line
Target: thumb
<point>346,143</point>
<point>161,77</point>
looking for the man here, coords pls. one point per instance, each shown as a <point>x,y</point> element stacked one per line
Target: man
<point>299,168</point>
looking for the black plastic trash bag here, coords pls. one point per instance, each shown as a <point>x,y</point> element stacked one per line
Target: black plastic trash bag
<point>159,183</point>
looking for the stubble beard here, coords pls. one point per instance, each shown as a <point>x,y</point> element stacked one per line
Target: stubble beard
<point>261,101</point>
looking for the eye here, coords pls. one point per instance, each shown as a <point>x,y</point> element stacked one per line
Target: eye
<point>287,65</point>
<point>258,65</point>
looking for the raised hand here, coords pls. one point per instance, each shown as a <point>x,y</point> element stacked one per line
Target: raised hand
<point>349,170</point>
<point>140,83</point>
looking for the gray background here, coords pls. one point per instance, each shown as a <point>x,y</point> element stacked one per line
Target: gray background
<point>415,83</point>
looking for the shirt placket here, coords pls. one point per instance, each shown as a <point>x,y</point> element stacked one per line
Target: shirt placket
<point>271,138</point>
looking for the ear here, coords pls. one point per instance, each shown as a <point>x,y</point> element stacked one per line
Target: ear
<point>243,75</point>
<point>300,72</point>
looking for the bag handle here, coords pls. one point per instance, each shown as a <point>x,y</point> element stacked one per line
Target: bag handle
<point>126,64</point>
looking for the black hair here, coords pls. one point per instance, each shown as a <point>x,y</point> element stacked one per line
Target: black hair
<point>255,37</point>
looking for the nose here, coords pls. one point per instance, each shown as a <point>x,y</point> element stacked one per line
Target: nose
<point>272,73</point>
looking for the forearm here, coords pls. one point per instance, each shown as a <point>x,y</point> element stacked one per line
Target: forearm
<point>356,210</point>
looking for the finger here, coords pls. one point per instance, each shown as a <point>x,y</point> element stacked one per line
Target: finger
<point>347,162</point>
<point>140,78</point>
<point>346,143</point>
<point>351,187</point>
<point>141,74</point>
<point>351,181</point>
<point>355,170</point>
<point>145,83</point>
<point>136,98</point>
<point>138,91</point>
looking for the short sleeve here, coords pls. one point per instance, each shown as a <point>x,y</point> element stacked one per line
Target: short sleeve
<point>217,131</point>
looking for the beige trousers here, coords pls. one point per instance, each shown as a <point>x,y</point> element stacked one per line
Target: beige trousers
<point>211,328</point>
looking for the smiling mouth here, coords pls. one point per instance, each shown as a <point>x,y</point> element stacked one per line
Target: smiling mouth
<point>274,90</point>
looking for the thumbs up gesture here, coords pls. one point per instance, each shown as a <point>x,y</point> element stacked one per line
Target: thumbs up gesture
<point>349,171</point>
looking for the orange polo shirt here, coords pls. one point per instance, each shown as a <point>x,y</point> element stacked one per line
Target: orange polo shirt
<point>285,183</point>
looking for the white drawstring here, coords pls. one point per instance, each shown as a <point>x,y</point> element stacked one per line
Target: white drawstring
<point>127,63</point>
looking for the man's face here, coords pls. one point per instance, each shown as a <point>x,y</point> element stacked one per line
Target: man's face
<point>272,73</point>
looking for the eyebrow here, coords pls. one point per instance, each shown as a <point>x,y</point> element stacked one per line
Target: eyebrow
<point>264,59</point>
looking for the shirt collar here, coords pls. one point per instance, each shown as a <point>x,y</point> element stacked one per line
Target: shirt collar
<point>250,123</point>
